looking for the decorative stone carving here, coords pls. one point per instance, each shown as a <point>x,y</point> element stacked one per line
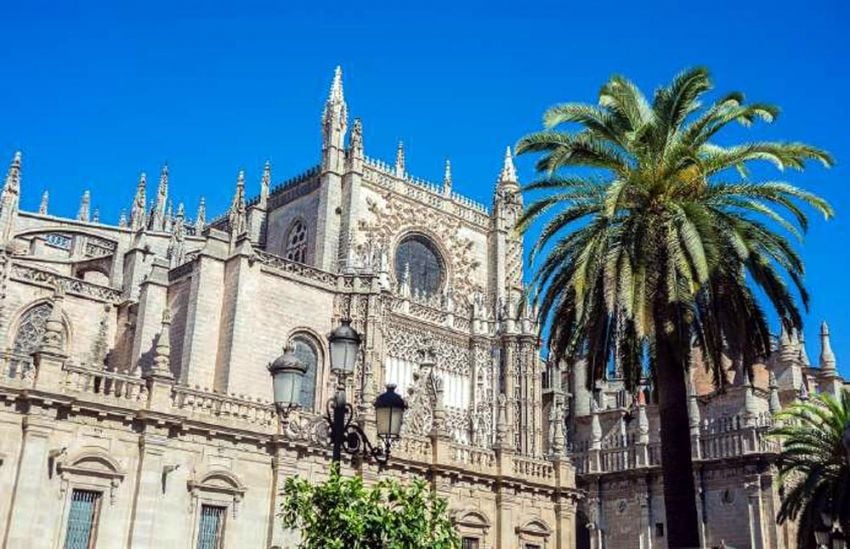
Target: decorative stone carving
<point>396,215</point>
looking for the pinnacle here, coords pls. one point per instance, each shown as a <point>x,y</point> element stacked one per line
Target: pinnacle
<point>508,169</point>
<point>336,93</point>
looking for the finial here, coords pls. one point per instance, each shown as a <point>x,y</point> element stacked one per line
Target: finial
<point>447,178</point>
<point>42,208</point>
<point>181,210</point>
<point>138,214</point>
<point>95,217</point>
<point>399,160</point>
<point>201,218</point>
<point>508,174</point>
<point>265,185</point>
<point>162,354</point>
<point>83,212</point>
<point>122,220</point>
<point>236,216</point>
<point>827,357</point>
<point>13,176</point>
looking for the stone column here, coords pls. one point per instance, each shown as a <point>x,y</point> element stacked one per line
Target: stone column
<point>25,523</point>
<point>147,491</point>
<point>754,508</point>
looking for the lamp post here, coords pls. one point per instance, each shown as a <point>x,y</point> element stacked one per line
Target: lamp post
<point>287,372</point>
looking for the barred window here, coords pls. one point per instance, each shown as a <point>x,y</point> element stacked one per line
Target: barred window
<point>81,531</point>
<point>296,242</point>
<point>307,353</point>
<point>418,260</point>
<point>211,527</point>
<point>469,543</point>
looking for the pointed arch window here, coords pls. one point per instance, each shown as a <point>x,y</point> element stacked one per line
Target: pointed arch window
<point>31,329</point>
<point>307,352</point>
<point>296,242</point>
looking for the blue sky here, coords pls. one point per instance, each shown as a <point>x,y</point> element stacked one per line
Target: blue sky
<point>94,93</point>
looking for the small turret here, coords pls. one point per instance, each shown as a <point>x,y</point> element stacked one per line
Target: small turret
<point>399,160</point>
<point>265,186</point>
<point>447,179</point>
<point>85,204</point>
<point>827,357</point>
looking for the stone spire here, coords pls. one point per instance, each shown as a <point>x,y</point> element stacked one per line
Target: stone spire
<point>447,179</point>
<point>201,218</point>
<point>122,219</point>
<point>138,216</point>
<point>399,160</point>
<point>42,207</point>
<point>162,352</point>
<point>827,358</point>
<point>804,356</point>
<point>95,216</point>
<point>236,217</point>
<point>508,174</point>
<point>265,186</point>
<point>10,200</point>
<point>159,213</point>
<point>334,123</point>
<point>85,205</point>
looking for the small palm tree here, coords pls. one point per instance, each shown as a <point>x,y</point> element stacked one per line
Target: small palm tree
<point>657,243</point>
<point>814,466</point>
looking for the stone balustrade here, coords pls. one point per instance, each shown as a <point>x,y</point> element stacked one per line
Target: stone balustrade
<point>199,409</point>
<point>112,387</point>
<point>719,439</point>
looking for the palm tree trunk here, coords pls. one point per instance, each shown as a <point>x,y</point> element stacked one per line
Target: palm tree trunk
<point>680,503</point>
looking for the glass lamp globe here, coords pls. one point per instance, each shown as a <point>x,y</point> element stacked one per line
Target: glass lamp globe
<point>344,344</point>
<point>287,372</point>
<point>389,412</point>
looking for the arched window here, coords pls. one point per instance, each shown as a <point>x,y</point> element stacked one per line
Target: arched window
<point>305,350</point>
<point>31,329</point>
<point>418,260</point>
<point>296,242</point>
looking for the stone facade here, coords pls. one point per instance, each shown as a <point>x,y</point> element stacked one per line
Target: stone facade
<point>133,367</point>
<point>614,443</point>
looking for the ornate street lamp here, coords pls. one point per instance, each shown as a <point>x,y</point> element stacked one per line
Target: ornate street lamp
<point>287,373</point>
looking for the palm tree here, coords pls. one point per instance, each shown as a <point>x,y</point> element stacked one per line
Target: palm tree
<point>658,242</point>
<point>814,466</point>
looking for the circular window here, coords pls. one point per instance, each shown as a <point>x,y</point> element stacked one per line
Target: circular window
<point>418,261</point>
